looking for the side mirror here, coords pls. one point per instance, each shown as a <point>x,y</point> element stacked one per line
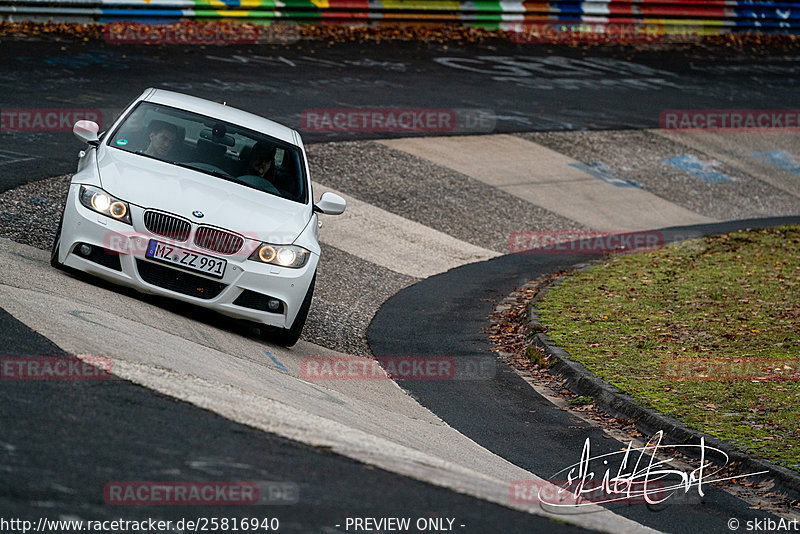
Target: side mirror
<point>86,131</point>
<point>330,204</point>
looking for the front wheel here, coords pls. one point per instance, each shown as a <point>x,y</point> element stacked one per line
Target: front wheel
<point>287,337</point>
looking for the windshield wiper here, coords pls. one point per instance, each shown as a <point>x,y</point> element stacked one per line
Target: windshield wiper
<point>218,174</point>
<point>212,172</point>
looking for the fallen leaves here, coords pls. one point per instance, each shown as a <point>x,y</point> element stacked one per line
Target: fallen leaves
<point>432,32</point>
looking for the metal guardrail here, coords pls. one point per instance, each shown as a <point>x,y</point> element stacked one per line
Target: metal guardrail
<point>716,15</point>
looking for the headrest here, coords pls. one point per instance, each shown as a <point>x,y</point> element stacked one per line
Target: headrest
<point>210,148</point>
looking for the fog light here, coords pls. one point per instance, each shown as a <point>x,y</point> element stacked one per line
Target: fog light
<point>274,305</point>
<point>85,250</point>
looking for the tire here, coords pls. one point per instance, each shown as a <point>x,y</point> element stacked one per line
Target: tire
<point>56,246</point>
<point>288,337</point>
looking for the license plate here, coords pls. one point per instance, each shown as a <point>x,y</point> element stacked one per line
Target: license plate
<point>186,259</point>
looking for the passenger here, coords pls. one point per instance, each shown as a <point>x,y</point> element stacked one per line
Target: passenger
<point>261,161</point>
<point>163,137</point>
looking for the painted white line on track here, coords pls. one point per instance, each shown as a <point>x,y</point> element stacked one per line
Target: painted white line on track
<point>391,241</point>
<point>547,179</point>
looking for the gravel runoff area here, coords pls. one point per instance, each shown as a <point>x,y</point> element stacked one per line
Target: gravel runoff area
<point>348,293</point>
<point>638,155</point>
<point>429,194</point>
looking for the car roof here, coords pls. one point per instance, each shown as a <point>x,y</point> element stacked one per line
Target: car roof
<point>220,111</point>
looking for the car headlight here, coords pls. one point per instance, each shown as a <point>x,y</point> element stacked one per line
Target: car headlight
<point>98,200</point>
<point>283,255</point>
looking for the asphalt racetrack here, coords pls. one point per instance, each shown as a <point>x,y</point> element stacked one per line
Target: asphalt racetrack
<point>536,138</point>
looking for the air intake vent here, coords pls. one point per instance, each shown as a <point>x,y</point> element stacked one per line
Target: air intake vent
<point>218,240</point>
<point>178,281</point>
<point>167,225</point>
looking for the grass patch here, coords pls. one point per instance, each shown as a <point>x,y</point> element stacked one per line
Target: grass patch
<point>581,401</point>
<point>732,298</point>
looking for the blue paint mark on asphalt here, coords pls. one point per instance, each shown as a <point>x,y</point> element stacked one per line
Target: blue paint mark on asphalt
<point>113,60</point>
<point>277,361</point>
<point>80,315</point>
<point>600,170</point>
<point>26,257</point>
<point>780,158</point>
<point>704,170</point>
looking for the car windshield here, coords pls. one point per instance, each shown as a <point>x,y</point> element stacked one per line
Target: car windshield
<point>214,147</point>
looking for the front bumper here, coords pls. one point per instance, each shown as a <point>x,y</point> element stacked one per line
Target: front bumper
<point>118,255</point>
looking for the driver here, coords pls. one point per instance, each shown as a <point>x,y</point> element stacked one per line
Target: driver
<point>163,137</point>
<point>261,161</point>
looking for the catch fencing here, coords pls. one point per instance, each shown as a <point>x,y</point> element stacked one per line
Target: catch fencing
<point>705,16</point>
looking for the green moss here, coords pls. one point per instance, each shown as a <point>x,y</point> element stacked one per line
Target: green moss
<point>535,355</point>
<point>581,401</point>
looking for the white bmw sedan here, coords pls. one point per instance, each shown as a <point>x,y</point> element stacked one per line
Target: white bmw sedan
<point>199,202</point>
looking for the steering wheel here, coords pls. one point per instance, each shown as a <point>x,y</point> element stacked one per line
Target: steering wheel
<point>259,183</point>
<point>209,167</point>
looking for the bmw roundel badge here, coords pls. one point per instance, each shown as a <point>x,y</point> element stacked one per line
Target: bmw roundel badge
<point>198,214</point>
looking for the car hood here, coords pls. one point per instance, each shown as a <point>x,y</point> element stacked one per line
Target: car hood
<point>150,183</point>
